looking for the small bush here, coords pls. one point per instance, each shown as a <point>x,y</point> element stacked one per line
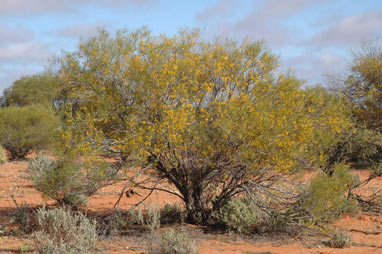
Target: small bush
<point>3,229</point>
<point>67,181</point>
<point>119,221</point>
<point>171,213</point>
<point>125,220</point>
<point>339,240</point>
<point>240,215</point>
<point>325,199</point>
<point>23,129</point>
<point>177,243</point>
<point>152,218</point>
<point>24,248</point>
<point>3,156</point>
<point>278,223</point>
<point>63,233</point>
<point>23,217</point>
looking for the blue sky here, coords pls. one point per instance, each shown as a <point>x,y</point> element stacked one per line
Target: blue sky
<point>314,37</point>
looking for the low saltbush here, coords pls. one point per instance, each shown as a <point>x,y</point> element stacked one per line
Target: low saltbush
<point>64,233</point>
<point>120,221</point>
<point>151,220</point>
<point>177,243</point>
<point>240,215</point>
<point>339,240</point>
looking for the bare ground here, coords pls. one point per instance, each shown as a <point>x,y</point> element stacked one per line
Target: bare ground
<point>365,230</point>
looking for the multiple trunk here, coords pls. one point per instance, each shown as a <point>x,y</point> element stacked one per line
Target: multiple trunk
<point>203,190</point>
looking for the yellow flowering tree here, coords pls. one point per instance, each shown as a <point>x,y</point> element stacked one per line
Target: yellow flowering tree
<point>208,116</point>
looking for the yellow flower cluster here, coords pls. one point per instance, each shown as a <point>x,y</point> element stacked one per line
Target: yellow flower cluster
<point>174,96</point>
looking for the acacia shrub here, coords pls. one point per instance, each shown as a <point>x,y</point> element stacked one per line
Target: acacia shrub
<point>325,198</point>
<point>207,116</point>
<point>33,89</point>
<point>23,129</point>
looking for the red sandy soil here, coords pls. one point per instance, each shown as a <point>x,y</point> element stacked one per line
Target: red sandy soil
<point>365,230</point>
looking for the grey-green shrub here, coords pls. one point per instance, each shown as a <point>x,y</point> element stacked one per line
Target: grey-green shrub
<point>23,129</point>
<point>152,220</point>
<point>339,240</point>
<point>65,180</point>
<point>3,155</point>
<point>325,197</point>
<point>240,215</point>
<point>120,221</point>
<point>177,243</point>
<point>63,233</point>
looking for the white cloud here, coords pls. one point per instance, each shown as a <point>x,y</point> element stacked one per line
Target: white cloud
<point>12,35</point>
<point>222,9</point>
<point>330,58</point>
<point>350,30</point>
<point>264,21</point>
<point>32,7</point>
<point>81,30</point>
<point>30,52</point>
<point>315,67</point>
<point>323,52</point>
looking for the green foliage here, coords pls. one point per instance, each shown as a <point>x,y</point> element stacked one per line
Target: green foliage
<point>24,217</point>
<point>171,213</point>
<point>24,248</point>
<point>3,229</point>
<point>121,221</point>
<point>177,243</point>
<point>204,114</point>
<point>28,90</point>
<point>240,215</point>
<point>357,144</point>
<point>363,85</point>
<point>325,198</point>
<point>3,155</point>
<point>64,233</point>
<point>322,150</point>
<point>23,129</point>
<point>68,181</point>
<point>339,240</point>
